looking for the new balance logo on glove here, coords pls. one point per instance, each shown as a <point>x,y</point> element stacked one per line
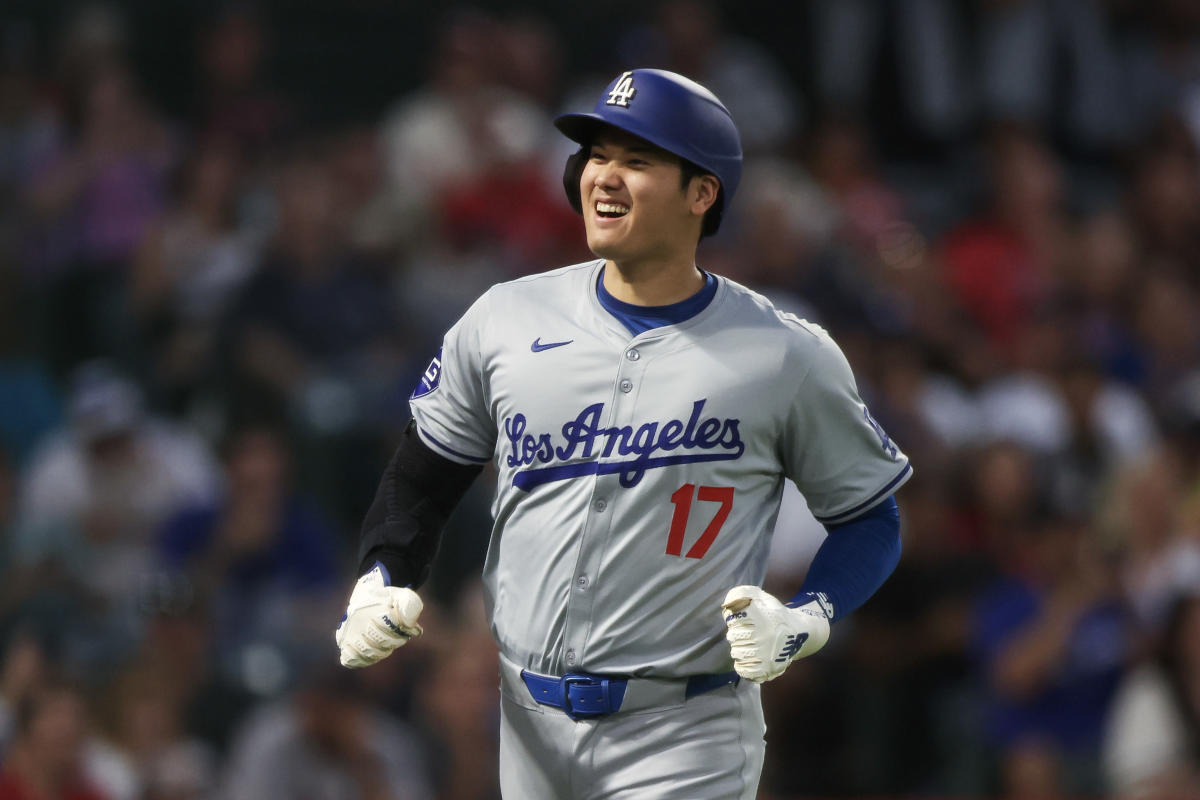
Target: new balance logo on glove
<point>759,626</point>
<point>792,646</point>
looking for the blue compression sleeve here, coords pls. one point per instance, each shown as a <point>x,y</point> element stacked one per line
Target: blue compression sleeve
<point>854,560</point>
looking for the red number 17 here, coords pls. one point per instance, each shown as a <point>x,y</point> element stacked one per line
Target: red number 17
<point>682,498</point>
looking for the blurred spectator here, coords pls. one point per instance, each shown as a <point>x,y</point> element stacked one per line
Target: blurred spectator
<point>147,753</point>
<point>260,558</point>
<point>934,412</point>
<point>360,181</point>
<point>314,341</point>
<point>188,269</point>
<point>46,758</point>
<point>1159,557</point>
<point>1051,642</point>
<point>785,224</point>
<point>475,195</point>
<point>842,160</point>
<point>1003,265</point>
<point>97,490</point>
<point>325,742</point>
<point>1167,330</point>
<point>1164,200</point>
<point>92,203</point>
<point>315,320</point>
<point>996,493</point>
<point>107,183</point>
<point>457,125</point>
<point>1061,406</point>
<point>235,102</point>
<point>1025,402</point>
<point>1151,748</point>
<point>178,649</point>
<point>1108,426</point>
<point>1098,280</point>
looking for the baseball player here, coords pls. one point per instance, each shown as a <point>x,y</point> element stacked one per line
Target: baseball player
<point>643,415</point>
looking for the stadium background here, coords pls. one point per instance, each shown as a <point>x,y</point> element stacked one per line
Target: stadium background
<point>231,237</point>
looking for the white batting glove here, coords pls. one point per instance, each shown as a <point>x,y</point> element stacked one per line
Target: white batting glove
<point>765,635</point>
<point>379,618</point>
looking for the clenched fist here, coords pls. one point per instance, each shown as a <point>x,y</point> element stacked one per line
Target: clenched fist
<point>379,618</point>
<point>765,635</point>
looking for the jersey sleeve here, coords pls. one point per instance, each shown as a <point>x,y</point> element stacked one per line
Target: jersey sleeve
<point>839,457</point>
<point>450,401</point>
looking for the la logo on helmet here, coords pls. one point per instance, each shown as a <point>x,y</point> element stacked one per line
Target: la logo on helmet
<point>623,92</point>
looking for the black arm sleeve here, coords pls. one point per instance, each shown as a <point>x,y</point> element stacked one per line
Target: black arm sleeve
<point>416,495</point>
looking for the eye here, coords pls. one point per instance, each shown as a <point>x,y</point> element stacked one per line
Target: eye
<point>638,162</point>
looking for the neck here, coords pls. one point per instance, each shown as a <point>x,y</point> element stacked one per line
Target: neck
<point>652,284</point>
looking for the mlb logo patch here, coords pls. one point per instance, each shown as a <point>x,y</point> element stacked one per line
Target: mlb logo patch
<point>430,378</point>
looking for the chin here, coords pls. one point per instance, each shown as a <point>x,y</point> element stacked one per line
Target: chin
<point>604,247</point>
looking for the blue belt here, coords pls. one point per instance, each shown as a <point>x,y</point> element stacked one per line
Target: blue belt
<point>582,695</point>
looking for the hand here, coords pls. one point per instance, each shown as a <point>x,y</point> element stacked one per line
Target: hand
<point>379,618</point>
<point>765,635</point>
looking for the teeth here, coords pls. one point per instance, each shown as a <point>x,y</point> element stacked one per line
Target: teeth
<point>611,208</point>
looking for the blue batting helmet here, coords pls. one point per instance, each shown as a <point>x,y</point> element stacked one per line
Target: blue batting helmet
<point>670,111</point>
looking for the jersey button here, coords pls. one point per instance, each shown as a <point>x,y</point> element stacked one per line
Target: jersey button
<point>571,657</point>
<point>632,354</point>
<point>600,505</point>
<point>582,580</point>
<point>626,386</point>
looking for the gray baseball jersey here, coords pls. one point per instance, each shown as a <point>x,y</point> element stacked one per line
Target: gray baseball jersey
<point>640,476</point>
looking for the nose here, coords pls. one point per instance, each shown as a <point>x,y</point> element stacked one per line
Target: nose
<point>606,176</point>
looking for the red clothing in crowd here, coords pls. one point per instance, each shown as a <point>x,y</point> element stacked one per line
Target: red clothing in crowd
<point>13,787</point>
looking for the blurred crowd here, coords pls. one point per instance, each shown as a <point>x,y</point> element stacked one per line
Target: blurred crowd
<point>214,309</point>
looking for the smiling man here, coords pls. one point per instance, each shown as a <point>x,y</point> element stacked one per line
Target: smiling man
<point>643,415</point>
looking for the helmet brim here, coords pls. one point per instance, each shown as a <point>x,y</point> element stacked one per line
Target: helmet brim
<point>580,127</point>
<point>583,127</point>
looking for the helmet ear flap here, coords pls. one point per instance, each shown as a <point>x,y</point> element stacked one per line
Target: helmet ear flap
<point>572,173</point>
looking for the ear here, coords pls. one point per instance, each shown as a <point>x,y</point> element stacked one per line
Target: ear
<point>702,193</point>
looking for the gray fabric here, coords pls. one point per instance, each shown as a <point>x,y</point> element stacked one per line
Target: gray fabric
<point>708,747</point>
<point>578,575</point>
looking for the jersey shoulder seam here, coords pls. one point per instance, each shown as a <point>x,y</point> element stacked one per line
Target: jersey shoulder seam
<point>548,274</point>
<point>772,313</point>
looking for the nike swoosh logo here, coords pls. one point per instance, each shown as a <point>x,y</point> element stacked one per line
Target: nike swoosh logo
<point>538,347</point>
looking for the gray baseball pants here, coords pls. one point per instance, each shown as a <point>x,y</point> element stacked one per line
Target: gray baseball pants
<point>708,747</point>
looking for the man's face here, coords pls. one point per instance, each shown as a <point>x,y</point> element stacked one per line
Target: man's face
<point>634,208</point>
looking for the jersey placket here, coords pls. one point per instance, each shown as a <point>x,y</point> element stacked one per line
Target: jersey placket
<point>607,493</point>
